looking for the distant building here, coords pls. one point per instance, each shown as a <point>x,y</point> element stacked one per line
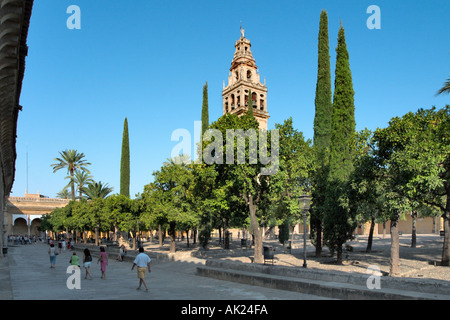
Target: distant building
<point>22,215</point>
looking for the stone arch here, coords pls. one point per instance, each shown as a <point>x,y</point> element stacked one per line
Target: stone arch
<point>35,224</point>
<point>20,226</point>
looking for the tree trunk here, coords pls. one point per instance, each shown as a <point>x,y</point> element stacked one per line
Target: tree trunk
<point>370,239</point>
<point>413,231</point>
<point>292,238</point>
<point>395,248</point>
<point>160,236</point>
<point>318,239</point>
<point>133,234</point>
<point>187,238</point>
<point>226,234</point>
<point>258,250</point>
<point>72,184</point>
<point>446,247</point>
<point>96,236</point>
<point>339,254</point>
<point>172,237</point>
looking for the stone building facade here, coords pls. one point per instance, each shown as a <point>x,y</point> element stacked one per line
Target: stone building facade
<point>14,22</point>
<point>22,215</point>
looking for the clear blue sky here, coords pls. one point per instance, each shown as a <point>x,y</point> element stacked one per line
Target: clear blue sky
<point>148,60</point>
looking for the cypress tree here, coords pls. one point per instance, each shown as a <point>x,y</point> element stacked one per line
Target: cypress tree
<point>125,162</point>
<point>205,227</point>
<point>205,111</point>
<point>323,103</point>
<point>250,103</point>
<point>338,224</point>
<point>343,123</point>
<point>322,132</point>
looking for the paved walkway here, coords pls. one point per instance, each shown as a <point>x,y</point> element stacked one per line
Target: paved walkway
<point>32,278</point>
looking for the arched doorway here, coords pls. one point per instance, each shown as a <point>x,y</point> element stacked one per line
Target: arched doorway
<point>34,228</point>
<point>20,227</point>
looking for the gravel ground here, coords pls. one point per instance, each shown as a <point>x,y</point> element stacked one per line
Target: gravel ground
<point>420,262</point>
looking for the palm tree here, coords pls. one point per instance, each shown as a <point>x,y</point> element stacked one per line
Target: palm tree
<point>97,190</point>
<point>72,160</point>
<point>445,88</point>
<point>63,194</point>
<point>81,178</point>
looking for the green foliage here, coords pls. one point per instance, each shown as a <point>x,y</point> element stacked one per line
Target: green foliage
<point>170,198</point>
<point>338,221</point>
<point>283,234</point>
<point>125,162</point>
<point>250,104</point>
<point>323,103</point>
<point>205,109</point>
<point>73,161</point>
<point>342,149</point>
<point>322,134</point>
<point>445,88</point>
<point>97,190</point>
<point>80,178</point>
<point>414,152</point>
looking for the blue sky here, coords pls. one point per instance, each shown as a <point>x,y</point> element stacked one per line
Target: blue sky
<point>148,60</point>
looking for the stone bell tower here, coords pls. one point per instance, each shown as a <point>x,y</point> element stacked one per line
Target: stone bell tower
<point>244,78</point>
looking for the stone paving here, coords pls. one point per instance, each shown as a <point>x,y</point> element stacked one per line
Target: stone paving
<point>31,278</point>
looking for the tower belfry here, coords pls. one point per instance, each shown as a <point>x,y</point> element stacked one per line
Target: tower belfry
<point>244,78</point>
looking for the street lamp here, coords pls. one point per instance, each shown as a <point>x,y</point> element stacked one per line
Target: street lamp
<point>304,202</point>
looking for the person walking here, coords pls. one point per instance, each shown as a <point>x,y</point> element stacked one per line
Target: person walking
<point>75,260</point>
<point>104,262</point>
<point>142,261</point>
<point>122,253</point>
<point>52,254</point>
<point>87,259</point>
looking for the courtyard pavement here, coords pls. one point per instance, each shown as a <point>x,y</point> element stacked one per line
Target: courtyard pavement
<point>31,278</point>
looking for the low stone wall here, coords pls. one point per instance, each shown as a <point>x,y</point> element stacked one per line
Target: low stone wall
<point>417,285</point>
<point>157,257</point>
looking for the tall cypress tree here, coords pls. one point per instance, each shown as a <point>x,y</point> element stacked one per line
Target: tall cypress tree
<point>205,227</point>
<point>338,223</point>
<point>322,132</point>
<point>125,162</point>
<point>323,103</point>
<point>250,103</point>
<point>205,111</point>
<point>343,123</point>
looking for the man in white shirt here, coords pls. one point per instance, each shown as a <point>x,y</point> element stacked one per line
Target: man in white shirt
<point>142,261</point>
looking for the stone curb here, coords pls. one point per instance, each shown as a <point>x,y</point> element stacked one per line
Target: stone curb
<point>327,284</point>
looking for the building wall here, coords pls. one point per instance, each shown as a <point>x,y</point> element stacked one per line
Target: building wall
<point>22,214</point>
<point>424,225</point>
<point>2,205</point>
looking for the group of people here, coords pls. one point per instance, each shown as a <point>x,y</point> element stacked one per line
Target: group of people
<point>142,262</point>
<point>19,239</point>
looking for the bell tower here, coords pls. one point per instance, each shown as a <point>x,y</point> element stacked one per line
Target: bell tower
<point>244,78</point>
